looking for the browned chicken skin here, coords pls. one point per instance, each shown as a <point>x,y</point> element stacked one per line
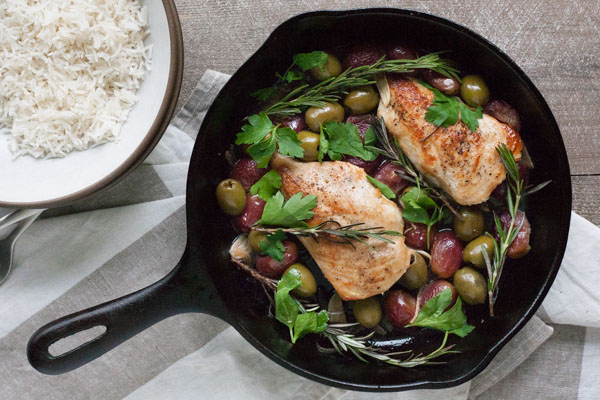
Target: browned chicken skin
<point>345,196</point>
<point>463,163</point>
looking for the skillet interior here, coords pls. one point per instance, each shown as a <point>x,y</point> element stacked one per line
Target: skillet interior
<point>525,282</point>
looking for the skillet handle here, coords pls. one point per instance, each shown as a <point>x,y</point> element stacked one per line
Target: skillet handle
<point>123,318</point>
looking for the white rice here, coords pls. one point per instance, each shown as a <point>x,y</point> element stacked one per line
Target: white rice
<point>69,72</point>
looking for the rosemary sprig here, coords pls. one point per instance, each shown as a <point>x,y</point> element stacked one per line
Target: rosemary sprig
<point>514,195</point>
<point>335,232</point>
<point>344,342</point>
<point>391,149</point>
<point>267,283</point>
<point>331,89</point>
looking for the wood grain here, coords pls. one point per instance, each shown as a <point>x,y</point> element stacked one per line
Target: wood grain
<point>586,197</point>
<point>556,43</point>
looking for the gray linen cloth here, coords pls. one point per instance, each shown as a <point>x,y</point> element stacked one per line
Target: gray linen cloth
<point>130,235</point>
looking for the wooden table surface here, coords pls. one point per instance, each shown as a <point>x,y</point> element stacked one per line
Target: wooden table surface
<point>557,43</point>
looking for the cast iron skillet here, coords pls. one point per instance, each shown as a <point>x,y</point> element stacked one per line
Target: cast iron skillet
<point>205,280</point>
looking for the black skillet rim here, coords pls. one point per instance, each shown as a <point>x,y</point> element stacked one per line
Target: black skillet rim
<point>427,384</point>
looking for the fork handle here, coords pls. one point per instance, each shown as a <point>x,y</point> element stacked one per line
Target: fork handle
<point>19,215</point>
<point>22,227</point>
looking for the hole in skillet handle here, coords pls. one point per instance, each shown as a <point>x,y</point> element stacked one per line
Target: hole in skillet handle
<point>76,340</point>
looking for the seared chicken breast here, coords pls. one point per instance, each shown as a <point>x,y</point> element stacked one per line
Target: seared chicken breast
<point>461,162</point>
<point>346,196</point>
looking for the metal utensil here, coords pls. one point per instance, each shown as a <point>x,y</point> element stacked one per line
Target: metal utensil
<point>7,245</point>
<point>18,215</point>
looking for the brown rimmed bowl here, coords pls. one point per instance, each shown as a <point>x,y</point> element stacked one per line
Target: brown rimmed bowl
<point>43,183</point>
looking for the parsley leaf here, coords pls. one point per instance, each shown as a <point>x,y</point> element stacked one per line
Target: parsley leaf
<point>433,316</point>
<point>288,214</point>
<point>443,112</point>
<point>385,189</point>
<point>288,142</point>
<point>267,185</point>
<point>287,309</point>
<point>273,246</point>
<point>370,137</point>
<point>418,198</point>
<point>345,139</point>
<point>291,75</point>
<point>265,137</point>
<point>470,117</point>
<point>416,209</point>
<point>261,152</point>
<point>264,93</point>
<point>259,127</point>
<point>323,144</point>
<point>446,110</point>
<point>306,61</point>
<point>415,214</point>
<point>310,322</point>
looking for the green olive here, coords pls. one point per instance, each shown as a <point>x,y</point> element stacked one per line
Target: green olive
<point>416,274</point>
<point>362,100</point>
<point>470,225</point>
<point>332,67</point>
<point>367,311</point>
<point>471,285</point>
<point>407,189</point>
<point>472,252</point>
<point>308,287</point>
<point>231,197</point>
<point>315,116</point>
<point>310,143</point>
<point>254,238</point>
<point>474,91</point>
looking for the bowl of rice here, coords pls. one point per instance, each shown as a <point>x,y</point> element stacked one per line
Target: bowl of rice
<point>87,88</point>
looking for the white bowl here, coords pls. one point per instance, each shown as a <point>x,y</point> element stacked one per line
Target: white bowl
<point>26,182</point>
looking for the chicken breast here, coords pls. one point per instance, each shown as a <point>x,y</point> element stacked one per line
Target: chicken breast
<point>345,196</point>
<point>462,163</point>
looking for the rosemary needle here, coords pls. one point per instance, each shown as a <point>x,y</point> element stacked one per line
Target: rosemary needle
<point>392,150</point>
<point>335,232</point>
<point>331,89</point>
<point>343,340</point>
<point>514,195</point>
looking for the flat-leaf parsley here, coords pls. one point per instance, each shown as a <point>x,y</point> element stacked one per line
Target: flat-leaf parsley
<point>446,111</point>
<point>289,214</point>
<point>433,316</point>
<point>267,185</point>
<point>265,138</point>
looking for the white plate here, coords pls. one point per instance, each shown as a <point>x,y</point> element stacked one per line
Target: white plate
<point>29,182</point>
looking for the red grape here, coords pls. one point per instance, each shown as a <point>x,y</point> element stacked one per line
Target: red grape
<point>386,173</point>
<point>446,254</point>
<point>251,214</point>
<point>400,52</point>
<point>362,54</point>
<point>503,112</point>
<point>520,246</point>
<point>247,172</point>
<point>415,235</point>
<point>271,268</point>
<point>435,288</point>
<point>400,307</point>
<point>296,122</point>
